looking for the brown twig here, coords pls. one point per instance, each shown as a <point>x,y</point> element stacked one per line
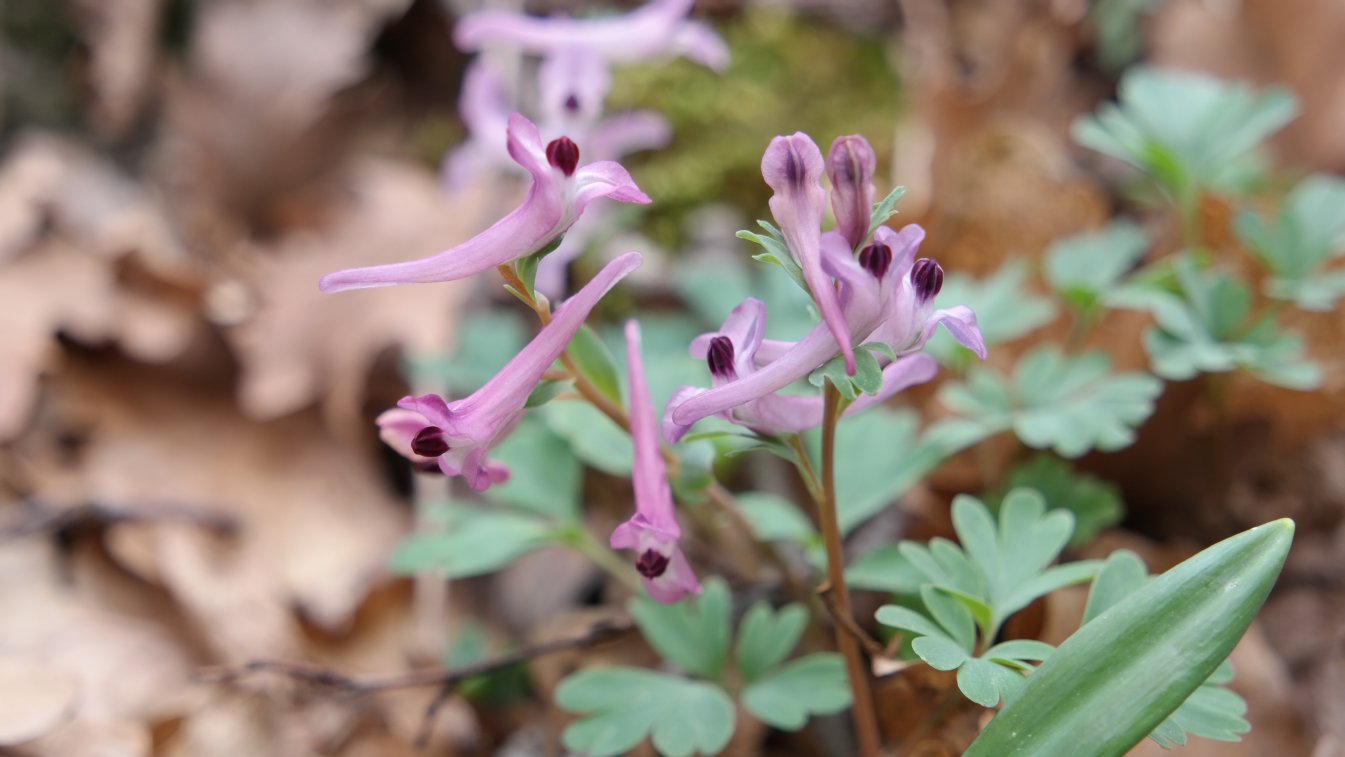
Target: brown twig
<point>448,679</point>
<point>846,620</point>
<point>47,519</point>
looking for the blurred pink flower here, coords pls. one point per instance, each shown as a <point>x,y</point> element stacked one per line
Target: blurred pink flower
<point>886,296</point>
<point>656,30</point>
<point>653,531</point>
<point>561,189</point>
<point>458,435</point>
<point>736,351</point>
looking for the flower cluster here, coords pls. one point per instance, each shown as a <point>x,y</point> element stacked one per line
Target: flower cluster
<point>863,276</point>
<point>867,284</point>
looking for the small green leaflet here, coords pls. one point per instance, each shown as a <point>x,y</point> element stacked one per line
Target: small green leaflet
<point>868,378</point>
<point>777,251</point>
<point>774,518</point>
<point>623,706</point>
<point>1069,404</point>
<point>593,360</point>
<point>787,697</point>
<point>1005,308</point>
<point>1188,131</point>
<point>1207,327</point>
<point>1096,504</point>
<point>474,541</point>
<point>592,436</point>
<point>1118,34</point>
<point>692,634</point>
<point>1085,268</point>
<point>552,482</point>
<point>1212,711</point>
<point>486,341</point>
<point>1305,235</point>
<point>970,590</point>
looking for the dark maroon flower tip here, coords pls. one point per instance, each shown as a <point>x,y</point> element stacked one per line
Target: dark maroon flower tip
<point>876,259</point>
<point>651,564</point>
<point>927,276</point>
<point>720,358</point>
<point>572,104</point>
<point>563,153</point>
<point>429,442</point>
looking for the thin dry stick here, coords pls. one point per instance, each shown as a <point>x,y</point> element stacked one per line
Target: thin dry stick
<point>339,683</point>
<point>46,519</point>
<point>866,721</point>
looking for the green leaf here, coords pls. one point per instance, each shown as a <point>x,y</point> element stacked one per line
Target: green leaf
<point>1205,328</point>
<point>1139,661</point>
<point>1005,307</point>
<point>954,617</point>
<point>884,209</point>
<point>1188,131</point>
<point>692,634</point>
<point>884,569</point>
<point>474,541</point>
<point>546,476</point>
<point>1118,34</point>
<point>777,253</point>
<point>813,685</point>
<point>986,682</point>
<point>1121,575</point>
<point>766,637</point>
<point>941,652</point>
<point>1096,504</point>
<point>546,391</point>
<point>1303,237</point>
<point>879,455</point>
<point>592,436</point>
<point>1085,268</point>
<point>774,518</point>
<point>1071,404</point>
<point>593,360</point>
<point>622,706</point>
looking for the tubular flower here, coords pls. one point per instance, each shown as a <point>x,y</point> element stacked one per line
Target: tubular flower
<point>458,435</point>
<point>792,166</point>
<point>653,531</point>
<point>658,29</point>
<point>886,297</point>
<point>736,351</point>
<point>850,167</point>
<point>561,189</point>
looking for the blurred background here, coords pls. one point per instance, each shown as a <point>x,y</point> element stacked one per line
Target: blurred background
<point>189,474</point>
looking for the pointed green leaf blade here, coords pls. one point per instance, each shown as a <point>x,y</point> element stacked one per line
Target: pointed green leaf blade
<point>1141,659</point>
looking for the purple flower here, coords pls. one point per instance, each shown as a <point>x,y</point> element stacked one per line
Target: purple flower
<point>658,29</point>
<point>561,189</point>
<point>738,349</point>
<point>850,167</point>
<point>653,531</point>
<point>792,166</point>
<point>457,435</point>
<point>886,296</point>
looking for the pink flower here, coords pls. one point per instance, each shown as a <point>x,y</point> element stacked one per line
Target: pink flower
<point>656,30</point>
<point>561,189</point>
<point>739,348</point>
<point>653,531</point>
<point>792,166</point>
<point>456,436</point>
<point>850,167</point>
<point>886,296</point>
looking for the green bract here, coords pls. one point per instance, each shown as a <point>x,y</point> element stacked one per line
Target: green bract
<point>1122,674</point>
<point>1188,131</point>
<point>1304,236</point>
<point>1069,404</point>
<point>624,705</point>
<point>1005,309</point>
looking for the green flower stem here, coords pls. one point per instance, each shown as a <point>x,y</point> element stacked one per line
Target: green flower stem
<point>866,720</point>
<point>805,467</point>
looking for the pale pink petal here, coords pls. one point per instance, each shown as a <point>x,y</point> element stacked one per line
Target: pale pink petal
<point>649,476</point>
<point>673,431</point>
<point>525,146</point>
<point>961,323</point>
<point>397,427</point>
<point>605,179</point>
<point>624,133</point>
<point>793,166</point>
<point>676,582</point>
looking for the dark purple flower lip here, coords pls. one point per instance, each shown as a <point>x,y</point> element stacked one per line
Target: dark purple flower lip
<point>563,153</point>
<point>572,104</point>
<point>651,564</point>
<point>429,442</point>
<point>927,276</point>
<point>720,357</point>
<point>876,259</point>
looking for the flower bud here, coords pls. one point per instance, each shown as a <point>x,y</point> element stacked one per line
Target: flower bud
<point>850,167</point>
<point>927,276</point>
<point>876,259</point>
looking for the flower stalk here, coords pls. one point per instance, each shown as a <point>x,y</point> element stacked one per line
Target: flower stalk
<point>865,719</point>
